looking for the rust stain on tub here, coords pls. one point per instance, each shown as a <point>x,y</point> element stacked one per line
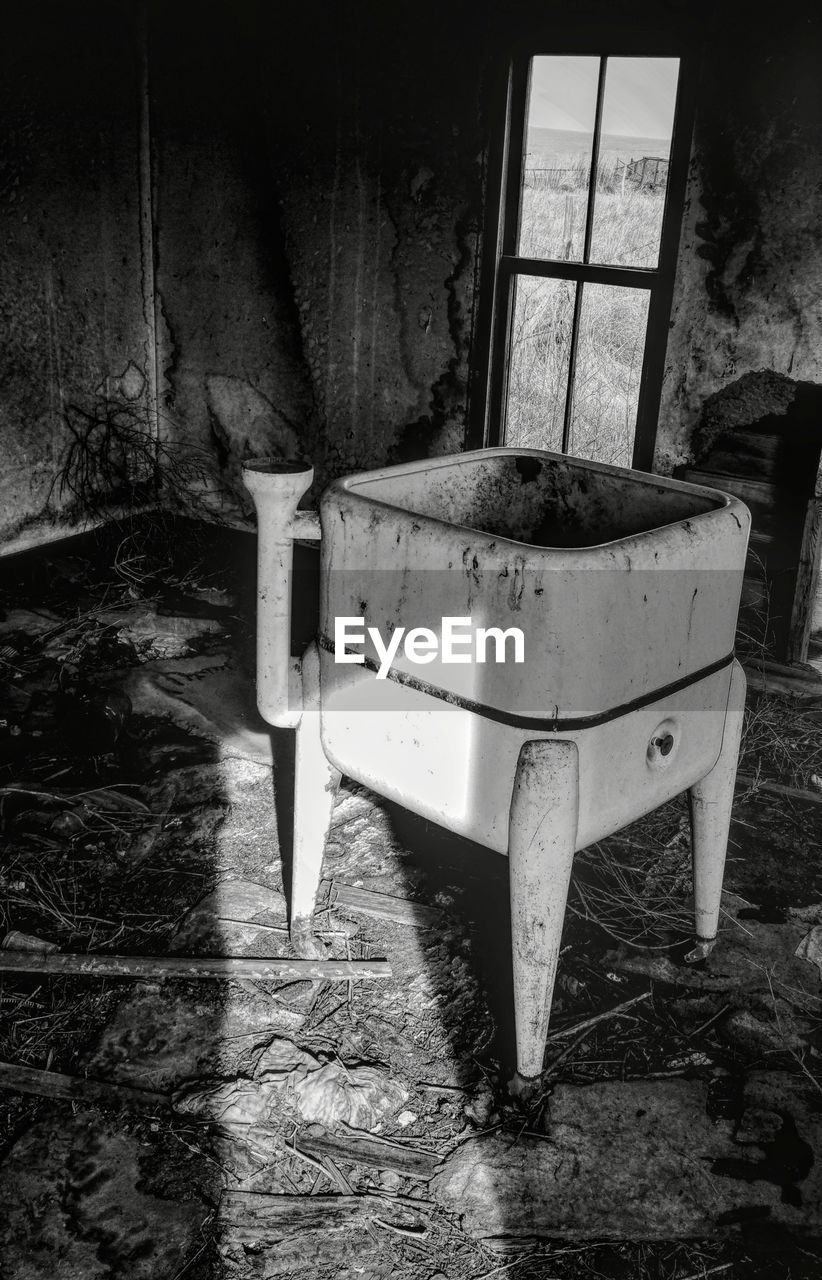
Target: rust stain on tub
<point>517,587</point>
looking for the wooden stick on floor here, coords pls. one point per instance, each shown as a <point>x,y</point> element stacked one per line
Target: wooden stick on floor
<point>156,968</point>
<point>53,1084</point>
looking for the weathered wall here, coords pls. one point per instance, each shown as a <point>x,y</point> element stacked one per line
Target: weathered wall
<point>72,331</point>
<point>318,182</point>
<point>232,382</point>
<point>316,204</point>
<point>749,282</point>
<point>379,151</point>
<point>311,184</point>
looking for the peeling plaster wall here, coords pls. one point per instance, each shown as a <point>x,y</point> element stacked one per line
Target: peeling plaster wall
<point>232,382</point>
<point>318,189</point>
<point>749,285</point>
<point>316,203</point>
<point>379,150</point>
<point>72,330</point>
<point>297,223</point>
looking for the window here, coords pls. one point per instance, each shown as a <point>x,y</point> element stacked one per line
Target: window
<point>592,180</point>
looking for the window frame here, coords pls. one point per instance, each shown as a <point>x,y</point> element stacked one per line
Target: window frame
<point>506,159</point>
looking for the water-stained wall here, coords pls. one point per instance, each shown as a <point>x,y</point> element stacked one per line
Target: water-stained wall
<point>248,228</point>
<point>232,381</point>
<point>318,188</point>
<point>74,342</point>
<point>290,203</point>
<point>320,191</point>
<point>749,280</point>
<point>379,148</point>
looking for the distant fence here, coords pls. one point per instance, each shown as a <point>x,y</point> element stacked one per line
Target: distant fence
<point>648,173</point>
<point>555,179</point>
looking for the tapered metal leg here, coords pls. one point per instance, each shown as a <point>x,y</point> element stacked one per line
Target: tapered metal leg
<point>315,788</point>
<point>711,800</point>
<point>541,841</point>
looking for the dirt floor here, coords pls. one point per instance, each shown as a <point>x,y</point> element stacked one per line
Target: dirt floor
<point>187,1127</point>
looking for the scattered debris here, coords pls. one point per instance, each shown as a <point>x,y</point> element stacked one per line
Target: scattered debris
<point>810,948</point>
<point>616,1012</point>
<point>481,1108</point>
<point>154,634</point>
<point>17,941</point>
<point>143,822</point>
<point>326,1093</point>
<point>644,1160</point>
<point>782,745</point>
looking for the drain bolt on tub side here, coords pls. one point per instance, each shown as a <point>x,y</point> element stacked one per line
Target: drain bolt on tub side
<point>599,725</point>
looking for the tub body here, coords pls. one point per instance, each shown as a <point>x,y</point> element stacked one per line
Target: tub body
<point>624,586</point>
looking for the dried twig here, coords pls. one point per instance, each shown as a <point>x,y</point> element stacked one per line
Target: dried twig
<point>779,789</point>
<point>616,1012</point>
<point>710,1271</point>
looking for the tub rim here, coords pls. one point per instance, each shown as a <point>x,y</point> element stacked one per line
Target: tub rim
<point>723,501</point>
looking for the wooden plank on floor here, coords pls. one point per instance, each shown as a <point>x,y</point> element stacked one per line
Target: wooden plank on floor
<point>277,1215</point>
<point>257,1210</point>
<point>408,1161</point>
<point>383,905</point>
<point>793,681</point>
<point>52,1084</point>
<point>807,581</point>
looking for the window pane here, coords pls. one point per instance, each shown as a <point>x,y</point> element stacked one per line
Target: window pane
<point>558,142</point>
<point>610,347</point>
<point>538,374</point>
<point>634,151</point>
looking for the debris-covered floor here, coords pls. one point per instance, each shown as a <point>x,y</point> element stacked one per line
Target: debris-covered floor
<point>179,1126</point>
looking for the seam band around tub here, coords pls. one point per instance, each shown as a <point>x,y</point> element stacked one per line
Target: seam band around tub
<point>539,724</point>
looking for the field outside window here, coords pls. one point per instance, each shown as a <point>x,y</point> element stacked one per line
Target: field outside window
<point>584,255</point>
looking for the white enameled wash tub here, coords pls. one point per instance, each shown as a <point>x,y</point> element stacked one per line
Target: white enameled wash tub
<point>625,588</point>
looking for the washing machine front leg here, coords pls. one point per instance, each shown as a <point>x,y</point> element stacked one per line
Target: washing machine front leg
<point>541,842</point>
<point>315,788</point>
<point>711,800</point>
